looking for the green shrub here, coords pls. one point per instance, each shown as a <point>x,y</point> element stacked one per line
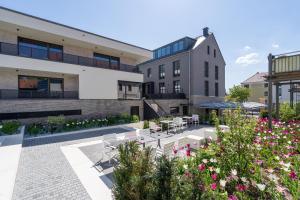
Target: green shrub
<point>35,129</point>
<point>286,112</point>
<point>55,123</point>
<point>146,124</point>
<point>10,127</point>
<point>135,118</point>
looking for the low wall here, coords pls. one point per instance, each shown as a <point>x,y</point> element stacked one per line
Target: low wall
<point>101,107</point>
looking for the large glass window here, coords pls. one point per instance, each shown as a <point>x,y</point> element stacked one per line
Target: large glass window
<point>107,61</point>
<point>162,88</point>
<point>176,87</point>
<point>176,68</point>
<point>41,50</point>
<point>161,71</point>
<point>206,69</point>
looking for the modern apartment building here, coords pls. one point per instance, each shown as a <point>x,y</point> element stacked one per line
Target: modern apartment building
<point>189,68</point>
<point>48,68</point>
<point>259,89</point>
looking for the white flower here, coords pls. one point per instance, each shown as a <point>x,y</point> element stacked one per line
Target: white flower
<point>234,172</point>
<point>286,169</point>
<point>261,187</point>
<point>277,158</point>
<point>244,180</point>
<point>213,160</point>
<point>289,142</point>
<point>1,126</point>
<point>284,137</point>
<point>287,165</point>
<point>68,125</point>
<point>222,183</point>
<point>185,166</point>
<point>204,160</point>
<point>218,170</point>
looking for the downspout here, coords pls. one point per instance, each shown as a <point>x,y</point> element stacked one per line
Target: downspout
<point>189,82</point>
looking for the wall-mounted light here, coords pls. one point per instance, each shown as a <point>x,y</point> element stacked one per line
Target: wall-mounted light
<point>18,29</point>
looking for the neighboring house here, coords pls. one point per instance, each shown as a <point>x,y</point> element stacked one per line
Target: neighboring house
<point>259,89</point>
<point>191,70</point>
<point>48,68</point>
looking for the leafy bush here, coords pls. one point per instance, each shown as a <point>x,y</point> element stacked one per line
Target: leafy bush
<point>10,127</point>
<point>135,118</point>
<point>146,124</point>
<point>35,129</point>
<point>286,112</point>
<point>55,123</point>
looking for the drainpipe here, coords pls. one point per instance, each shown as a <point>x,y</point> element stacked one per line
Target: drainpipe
<point>189,82</point>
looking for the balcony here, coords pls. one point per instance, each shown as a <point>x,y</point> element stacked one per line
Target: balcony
<point>53,55</point>
<point>30,94</point>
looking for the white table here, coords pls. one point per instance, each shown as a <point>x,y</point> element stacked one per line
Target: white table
<point>168,122</point>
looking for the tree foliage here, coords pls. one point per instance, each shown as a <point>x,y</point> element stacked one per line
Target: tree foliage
<point>238,93</point>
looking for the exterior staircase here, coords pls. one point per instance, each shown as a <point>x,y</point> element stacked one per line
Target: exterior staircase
<point>153,110</point>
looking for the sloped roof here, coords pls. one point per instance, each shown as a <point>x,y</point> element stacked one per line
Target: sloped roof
<point>256,78</point>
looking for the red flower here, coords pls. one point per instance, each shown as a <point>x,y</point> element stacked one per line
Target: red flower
<point>232,197</point>
<point>241,187</point>
<point>213,186</point>
<point>214,176</point>
<point>293,175</point>
<point>201,167</point>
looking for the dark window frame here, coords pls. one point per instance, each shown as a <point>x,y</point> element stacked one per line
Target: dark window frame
<point>176,87</point>
<point>176,68</point>
<point>120,87</point>
<point>149,73</point>
<point>206,88</point>
<point>161,88</point>
<point>216,89</point>
<point>129,88</point>
<point>215,53</point>
<point>174,108</point>
<point>216,72</point>
<point>43,77</point>
<point>161,71</point>
<point>208,49</point>
<point>206,69</point>
<point>109,58</point>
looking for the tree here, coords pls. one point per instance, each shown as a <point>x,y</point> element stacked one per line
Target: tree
<point>238,94</point>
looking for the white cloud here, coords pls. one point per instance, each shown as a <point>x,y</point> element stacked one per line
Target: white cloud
<point>247,48</point>
<point>248,59</point>
<point>275,46</point>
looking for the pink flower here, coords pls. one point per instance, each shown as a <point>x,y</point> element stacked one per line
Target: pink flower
<point>259,162</point>
<point>213,186</point>
<point>241,187</point>
<point>201,167</point>
<point>214,176</point>
<point>232,197</point>
<point>293,175</point>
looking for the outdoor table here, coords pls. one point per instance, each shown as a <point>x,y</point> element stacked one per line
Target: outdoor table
<point>188,119</point>
<point>168,122</point>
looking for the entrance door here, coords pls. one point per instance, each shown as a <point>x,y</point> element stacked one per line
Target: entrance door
<point>135,110</point>
<point>185,110</point>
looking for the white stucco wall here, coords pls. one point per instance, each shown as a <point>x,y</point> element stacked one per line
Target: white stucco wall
<point>94,83</point>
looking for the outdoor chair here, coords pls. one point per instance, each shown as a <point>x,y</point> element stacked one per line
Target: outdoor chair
<point>195,119</point>
<point>132,136</point>
<point>155,128</point>
<point>111,143</point>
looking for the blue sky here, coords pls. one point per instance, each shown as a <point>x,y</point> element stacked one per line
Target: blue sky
<point>245,30</point>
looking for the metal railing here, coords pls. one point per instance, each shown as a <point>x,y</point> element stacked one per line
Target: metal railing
<point>55,55</point>
<point>286,63</point>
<point>166,96</point>
<point>31,94</point>
<point>129,96</point>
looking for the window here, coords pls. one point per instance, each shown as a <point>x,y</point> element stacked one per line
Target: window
<point>120,87</point>
<point>161,71</point>
<point>208,50</point>
<point>174,110</point>
<point>107,61</point>
<point>129,88</point>
<point>162,88</point>
<point>149,72</point>
<point>266,93</point>
<point>266,85</point>
<point>206,88</point>
<point>246,86</point>
<point>280,91</point>
<point>176,68</point>
<point>216,72</point>
<point>41,50</point>
<point>206,69</point>
<point>216,89</point>
<point>176,87</point>
<point>215,53</point>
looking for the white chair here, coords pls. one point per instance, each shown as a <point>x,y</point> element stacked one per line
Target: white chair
<point>195,119</point>
<point>111,142</point>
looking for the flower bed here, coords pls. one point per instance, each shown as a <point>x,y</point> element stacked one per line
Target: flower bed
<point>9,128</point>
<point>248,162</point>
<point>59,124</point>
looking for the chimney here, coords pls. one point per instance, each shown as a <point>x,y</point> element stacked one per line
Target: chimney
<point>205,32</point>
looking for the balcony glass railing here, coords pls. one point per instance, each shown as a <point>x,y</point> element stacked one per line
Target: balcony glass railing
<point>31,94</point>
<point>53,55</point>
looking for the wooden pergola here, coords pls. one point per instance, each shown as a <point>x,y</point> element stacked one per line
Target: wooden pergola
<point>283,69</point>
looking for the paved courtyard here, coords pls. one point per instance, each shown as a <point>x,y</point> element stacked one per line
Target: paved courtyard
<point>44,173</point>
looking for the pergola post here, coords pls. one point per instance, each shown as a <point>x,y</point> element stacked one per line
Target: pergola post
<point>277,101</point>
<point>291,95</point>
<point>270,103</point>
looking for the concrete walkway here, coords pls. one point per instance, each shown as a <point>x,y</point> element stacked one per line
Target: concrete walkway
<point>10,151</point>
